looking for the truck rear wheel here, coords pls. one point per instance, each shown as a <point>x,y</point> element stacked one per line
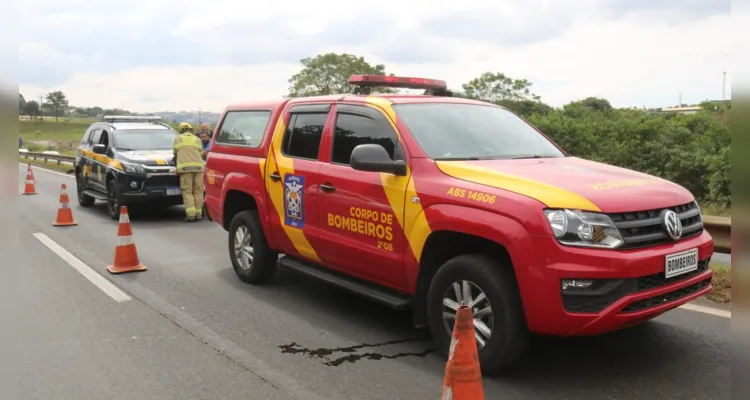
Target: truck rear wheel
<point>491,290</point>
<point>252,259</point>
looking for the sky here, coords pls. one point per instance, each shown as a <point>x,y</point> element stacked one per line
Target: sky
<point>170,55</point>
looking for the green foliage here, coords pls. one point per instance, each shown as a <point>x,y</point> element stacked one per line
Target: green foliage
<point>495,86</point>
<point>329,74</point>
<point>57,103</point>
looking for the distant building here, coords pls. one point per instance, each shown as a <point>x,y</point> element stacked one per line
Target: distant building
<point>682,110</point>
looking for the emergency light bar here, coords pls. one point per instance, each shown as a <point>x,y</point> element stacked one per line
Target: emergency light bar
<point>395,81</point>
<point>365,83</point>
<point>131,118</point>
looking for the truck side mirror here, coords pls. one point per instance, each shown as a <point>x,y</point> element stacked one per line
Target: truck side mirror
<point>100,149</point>
<point>374,158</point>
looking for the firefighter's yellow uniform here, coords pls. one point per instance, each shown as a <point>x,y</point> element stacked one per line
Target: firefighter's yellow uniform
<point>190,167</point>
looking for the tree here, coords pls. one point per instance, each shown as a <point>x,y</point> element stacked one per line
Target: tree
<point>21,104</point>
<point>495,87</point>
<point>57,103</point>
<point>31,108</point>
<point>329,74</point>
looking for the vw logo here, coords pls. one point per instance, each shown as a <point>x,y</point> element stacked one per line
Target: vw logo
<point>672,224</point>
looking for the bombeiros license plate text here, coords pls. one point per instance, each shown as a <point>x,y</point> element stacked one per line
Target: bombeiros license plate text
<point>173,191</point>
<point>681,263</point>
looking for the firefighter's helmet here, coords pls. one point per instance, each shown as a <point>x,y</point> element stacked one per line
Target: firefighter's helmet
<point>185,127</point>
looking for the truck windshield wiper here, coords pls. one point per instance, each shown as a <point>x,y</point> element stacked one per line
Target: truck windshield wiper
<point>458,159</point>
<point>522,157</point>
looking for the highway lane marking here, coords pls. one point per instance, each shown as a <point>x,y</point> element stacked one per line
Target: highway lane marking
<point>47,170</point>
<point>706,310</point>
<point>104,285</point>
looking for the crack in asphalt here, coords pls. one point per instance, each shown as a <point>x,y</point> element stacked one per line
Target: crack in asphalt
<point>325,353</point>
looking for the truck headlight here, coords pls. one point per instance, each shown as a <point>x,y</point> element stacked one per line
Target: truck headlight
<point>133,168</point>
<point>583,229</point>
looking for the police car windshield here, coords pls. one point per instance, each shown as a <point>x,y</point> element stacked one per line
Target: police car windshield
<point>473,132</point>
<point>144,139</point>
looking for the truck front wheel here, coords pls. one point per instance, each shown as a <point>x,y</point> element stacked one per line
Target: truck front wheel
<point>491,291</point>
<point>252,259</point>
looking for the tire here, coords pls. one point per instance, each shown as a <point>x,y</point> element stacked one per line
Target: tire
<point>84,200</point>
<point>264,259</point>
<point>509,336</point>
<point>113,201</point>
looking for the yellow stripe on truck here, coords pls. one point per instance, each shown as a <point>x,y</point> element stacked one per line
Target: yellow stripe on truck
<point>276,191</point>
<point>551,196</point>
<point>401,192</point>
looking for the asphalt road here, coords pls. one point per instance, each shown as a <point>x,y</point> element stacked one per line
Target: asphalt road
<point>193,330</point>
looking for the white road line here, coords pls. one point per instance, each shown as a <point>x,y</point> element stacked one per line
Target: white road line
<point>106,286</point>
<point>20,165</point>
<point>706,310</point>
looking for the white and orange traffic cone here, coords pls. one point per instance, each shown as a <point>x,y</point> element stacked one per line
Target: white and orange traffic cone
<point>64,213</point>
<point>29,188</point>
<point>126,255</point>
<point>463,375</point>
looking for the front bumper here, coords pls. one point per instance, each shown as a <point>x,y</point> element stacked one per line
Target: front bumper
<point>148,188</point>
<point>629,286</point>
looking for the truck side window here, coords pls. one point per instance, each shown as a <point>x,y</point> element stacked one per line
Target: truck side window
<point>302,136</point>
<point>353,130</point>
<point>95,136</point>
<point>243,128</point>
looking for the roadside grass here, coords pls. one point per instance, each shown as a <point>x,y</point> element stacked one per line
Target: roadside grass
<point>722,284</point>
<point>63,135</point>
<point>51,165</point>
<point>716,210</point>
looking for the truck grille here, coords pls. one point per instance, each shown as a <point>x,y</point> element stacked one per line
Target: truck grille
<point>666,297</point>
<point>163,181</point>
<point>645,228</point>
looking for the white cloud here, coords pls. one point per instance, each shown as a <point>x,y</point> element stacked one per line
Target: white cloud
<point>631,61</point>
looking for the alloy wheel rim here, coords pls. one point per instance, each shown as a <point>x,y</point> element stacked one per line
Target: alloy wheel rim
<point>468,293</point>
<point>243,247</point>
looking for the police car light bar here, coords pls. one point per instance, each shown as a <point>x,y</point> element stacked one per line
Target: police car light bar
<point>131,118</point>
<point>397,82</point>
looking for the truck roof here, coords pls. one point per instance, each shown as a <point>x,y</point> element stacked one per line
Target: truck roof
<point>393,98</point>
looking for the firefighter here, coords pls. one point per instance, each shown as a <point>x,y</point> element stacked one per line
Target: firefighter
<point>190,167</point>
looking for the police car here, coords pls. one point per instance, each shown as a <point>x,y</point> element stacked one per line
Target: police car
<point>126,160</point>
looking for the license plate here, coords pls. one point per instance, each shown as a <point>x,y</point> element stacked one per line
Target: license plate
<point>681,263</point>
<point>174,191</point>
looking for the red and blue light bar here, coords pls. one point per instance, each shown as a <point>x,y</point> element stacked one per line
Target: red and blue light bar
<point>396,82</point>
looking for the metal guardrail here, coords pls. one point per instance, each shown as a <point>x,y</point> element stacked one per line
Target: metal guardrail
<point>47,157</point>
<point>719,227</point>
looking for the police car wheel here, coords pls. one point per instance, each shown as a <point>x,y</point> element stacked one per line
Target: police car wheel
<point>113,201</point>
<point>252,259</point>
<point>84,200</point>
<point>491,290</point>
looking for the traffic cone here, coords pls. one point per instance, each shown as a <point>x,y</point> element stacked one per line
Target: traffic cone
<point>30,188</point>
<point>64,213</point>
<point>463,376</point>
<point>126,256</point>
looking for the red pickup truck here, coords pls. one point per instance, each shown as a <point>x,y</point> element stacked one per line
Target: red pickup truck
<point>430,201</point>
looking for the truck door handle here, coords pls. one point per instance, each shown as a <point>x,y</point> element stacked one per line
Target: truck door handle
<point>327,188</point>
<point>275,176</point>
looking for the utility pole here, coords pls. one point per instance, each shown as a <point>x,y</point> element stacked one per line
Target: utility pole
<point>723,86</point>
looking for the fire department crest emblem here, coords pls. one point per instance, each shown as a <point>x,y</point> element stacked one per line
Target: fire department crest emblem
<point>294,205</point>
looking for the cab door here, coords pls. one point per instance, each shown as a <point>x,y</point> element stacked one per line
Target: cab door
<point>292,179</point>
<point>91,166</point>
<point>360,211</point>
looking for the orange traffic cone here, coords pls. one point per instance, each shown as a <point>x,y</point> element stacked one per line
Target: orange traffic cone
<point>64,213</point>
<point>30,188</point>
<point>463,376</point>
<point>126,256</point>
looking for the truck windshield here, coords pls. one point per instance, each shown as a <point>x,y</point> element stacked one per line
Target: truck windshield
<point>142,139</point>
<point>452,131</point>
